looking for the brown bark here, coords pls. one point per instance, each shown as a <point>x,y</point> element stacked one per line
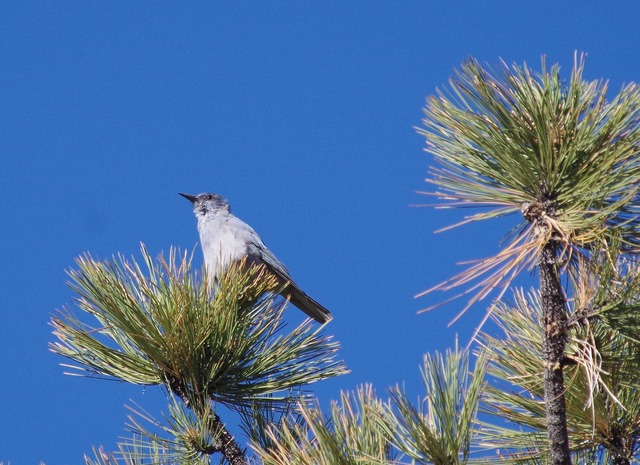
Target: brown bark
<point>227,445</point>
<point>555,338</point>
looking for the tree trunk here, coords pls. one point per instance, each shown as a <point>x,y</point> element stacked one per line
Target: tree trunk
<point>553,347</point>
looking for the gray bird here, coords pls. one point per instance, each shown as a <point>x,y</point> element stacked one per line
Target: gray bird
<point>226,239</point>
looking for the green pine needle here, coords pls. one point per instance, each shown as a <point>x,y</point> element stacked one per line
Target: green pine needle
<point>161,324</point>
<point>558,152</point>
<point>440,429</point>
<point>354,432</point>
<point>602,399</point>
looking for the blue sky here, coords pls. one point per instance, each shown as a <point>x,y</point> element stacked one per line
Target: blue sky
<point>300,113</point>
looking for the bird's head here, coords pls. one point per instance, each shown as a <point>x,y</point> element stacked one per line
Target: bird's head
<point>206,203</point>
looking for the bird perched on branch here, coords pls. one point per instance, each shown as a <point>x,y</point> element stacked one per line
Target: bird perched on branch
<point>226,239</point>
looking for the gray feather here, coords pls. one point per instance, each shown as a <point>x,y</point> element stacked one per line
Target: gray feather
<point>225,239</point>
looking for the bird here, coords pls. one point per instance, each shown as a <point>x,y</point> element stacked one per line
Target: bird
<point>226,239</point>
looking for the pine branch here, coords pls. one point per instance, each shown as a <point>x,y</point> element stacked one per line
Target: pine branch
<point>353,432</point>
<point>602,399</point>
<point>439,429</point>
<point>227,445</point>
<point>165,325</point>
<point>561,155</point>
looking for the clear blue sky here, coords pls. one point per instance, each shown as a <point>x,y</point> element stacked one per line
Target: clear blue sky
<point>300,113</point>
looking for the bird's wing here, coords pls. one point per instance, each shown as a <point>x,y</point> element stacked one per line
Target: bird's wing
<point>258,251</point>
<point>291,290</point>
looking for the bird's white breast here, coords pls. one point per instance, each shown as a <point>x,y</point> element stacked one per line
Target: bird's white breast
<point>222,241</point>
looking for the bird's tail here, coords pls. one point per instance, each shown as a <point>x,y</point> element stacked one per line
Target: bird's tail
<point>305,303</point>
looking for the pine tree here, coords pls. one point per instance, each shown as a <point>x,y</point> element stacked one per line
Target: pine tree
<point>564,371</point>
<point>561,156</point>
<point>166,326</point>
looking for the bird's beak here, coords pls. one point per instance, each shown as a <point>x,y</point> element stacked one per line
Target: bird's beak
<point>190,198</point>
